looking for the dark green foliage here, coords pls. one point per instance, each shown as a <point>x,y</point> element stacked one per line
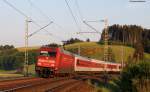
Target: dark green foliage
<point>101,42</point>
<point>6,47</point>
<point>129,35</point>
<point>52,45</point>
<point>11,63</point>
<point>136,78</point>
<point>146,40</point>
<point>32,57</point>
<point>71,41</point>
<point>9,60</point>
<point>139,52</point>
<point>87,40</point>
<point>12,59</point>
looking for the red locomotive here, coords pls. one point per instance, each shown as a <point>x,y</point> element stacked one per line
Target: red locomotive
<point>56,61</point>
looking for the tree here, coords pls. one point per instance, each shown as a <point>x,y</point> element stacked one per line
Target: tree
<point>139,52</point>
<point>87,40</point>
<point>128,35</point>
<point>6,47</point>
<point>71,41</point>
<point>12,59</point>
<point>136,78</point>
<point>52,45</point>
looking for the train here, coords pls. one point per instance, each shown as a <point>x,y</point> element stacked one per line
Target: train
<point>55,61</point>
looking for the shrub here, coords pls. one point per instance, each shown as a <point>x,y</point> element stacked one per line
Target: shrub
<point>136,78</point>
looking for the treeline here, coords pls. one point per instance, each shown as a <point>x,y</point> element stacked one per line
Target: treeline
<point>12,59</point>
<point>4,47</point>
<point>71,41</point>
<point>128,35</point>
<point>74,40</point>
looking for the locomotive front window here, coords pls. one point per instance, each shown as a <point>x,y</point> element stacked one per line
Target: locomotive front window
<point>43,53</point>
<point>49,54</point>
<point>52,54</point>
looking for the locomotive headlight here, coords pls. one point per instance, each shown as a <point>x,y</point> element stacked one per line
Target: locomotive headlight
<point>52,61</point>
<point>39,63</point>
<point>52,65</point>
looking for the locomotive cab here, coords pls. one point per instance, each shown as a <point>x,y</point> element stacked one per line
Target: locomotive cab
<point>46,59</point>
<point>46,62</point>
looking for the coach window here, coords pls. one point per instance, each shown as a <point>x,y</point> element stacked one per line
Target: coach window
<point>77,61</point>
<point>119,67</point>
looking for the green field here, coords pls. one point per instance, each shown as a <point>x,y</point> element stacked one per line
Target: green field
<point>95,50</point>
<point>32,69</point>
<point>12,73</point>
<point>22,49</point>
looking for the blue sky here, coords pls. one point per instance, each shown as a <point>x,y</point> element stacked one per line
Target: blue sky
<point>12,24</point>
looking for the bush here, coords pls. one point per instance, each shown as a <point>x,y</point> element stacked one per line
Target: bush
<point>12,59</point>
<point>136,78</point>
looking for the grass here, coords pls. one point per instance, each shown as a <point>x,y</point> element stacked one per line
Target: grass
<point>100,86</point>
<point>95,50</point>
<point>32,69</point>
<point>7,72</point>
<point>88,49</point>
<point>109,87</point>
<point>12,73</point>
<point>22,49</point>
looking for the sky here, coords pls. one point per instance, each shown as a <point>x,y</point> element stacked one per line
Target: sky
<point>42,12</point>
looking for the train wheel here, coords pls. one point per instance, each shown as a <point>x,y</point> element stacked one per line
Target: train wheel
<point>45,73</point>
<point>38,74</point>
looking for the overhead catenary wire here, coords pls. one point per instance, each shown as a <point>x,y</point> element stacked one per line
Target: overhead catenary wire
<point>74,18</point>
<point>46,16</point>
<point>91,27</point>
<point>50,34</point>
<point>79,10</point>
<point>71,12</point>
<point>15,8</point>
<point>40,11</point>
<point>23,14</point>
<point>82,19</point>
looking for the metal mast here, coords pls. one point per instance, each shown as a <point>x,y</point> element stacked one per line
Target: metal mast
<point>26,48</point>
<point>106,37</point>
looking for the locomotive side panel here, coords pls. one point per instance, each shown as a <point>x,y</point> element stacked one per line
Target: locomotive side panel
<point>66,63</point>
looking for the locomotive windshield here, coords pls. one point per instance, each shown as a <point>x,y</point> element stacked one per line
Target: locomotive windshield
<point>48,54</point>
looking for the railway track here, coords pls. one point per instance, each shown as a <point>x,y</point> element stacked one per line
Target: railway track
<point>64,87</point>
<point>15,83</point>
<point>59,84</point>
<point>33,84</point>
<point>42,85</point>
<point>6,79</point>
